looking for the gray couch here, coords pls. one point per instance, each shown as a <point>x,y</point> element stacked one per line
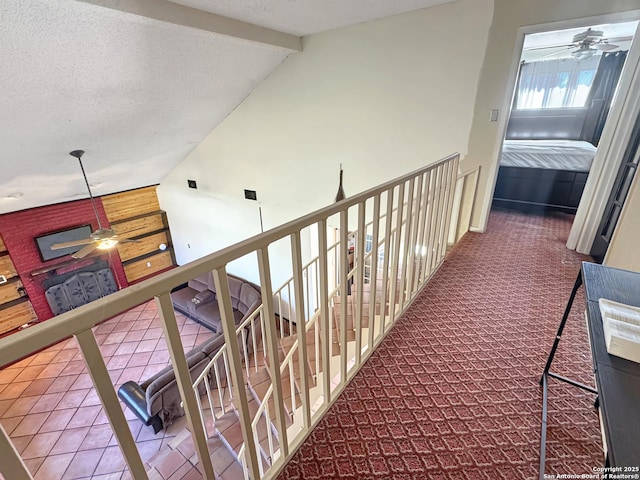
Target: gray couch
<point>198,300</point>
<point>157,402</point>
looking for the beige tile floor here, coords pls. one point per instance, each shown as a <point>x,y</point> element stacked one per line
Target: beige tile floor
<point>50,409</point>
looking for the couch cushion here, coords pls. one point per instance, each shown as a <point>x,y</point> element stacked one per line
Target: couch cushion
<point>182,299</point>
<point>247,298</point>
<point>235,286</point>
<point>209,315</point>
<point>205,296</point>
<point>162,394</point>
<point>200,283</point>
<point>212,347</point>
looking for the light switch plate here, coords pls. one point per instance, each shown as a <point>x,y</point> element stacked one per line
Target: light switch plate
<point>494,115</point>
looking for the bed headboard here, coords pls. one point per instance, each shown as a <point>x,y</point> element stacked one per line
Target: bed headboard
<point>546,124</point>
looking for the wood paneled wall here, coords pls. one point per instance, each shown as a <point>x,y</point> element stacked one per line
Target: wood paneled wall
<point>134,203</point>
<point>15,307</point>
<point>136,215</point>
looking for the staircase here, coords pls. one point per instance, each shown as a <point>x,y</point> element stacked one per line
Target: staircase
<point>258,380</point>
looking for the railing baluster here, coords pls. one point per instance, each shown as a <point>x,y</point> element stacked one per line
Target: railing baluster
<point>272,347</point>
<point>269,431</point>
<point>457,204</point>
<point>256,440</point>
<point>359,281</point>
<point>12,465</point>
<point>373,281</point>
<point>211,406</point>
<point>254,344</point>
<point>396,254</point>
<point>415,221</point>
<point>303,357</point>
<point>221,282</point>
<point>423,221</point>
<point>439,257</point>
<point>292,325</point>
<point>183,379</point>
<point>245,351</point>
<point>451,181</point>
<point>216,371</point>
<point>292,385</point>
<point>225,362</point>
<point>280,315</point>
<point>344,293</point>
<point>263,335</point>
<point>434,221</point>
<point>316,342</point>
<point>408,223</point>
<point>309,290</point>
<point>385,263</point>
<point>443,187</point>
<point>324,311</point>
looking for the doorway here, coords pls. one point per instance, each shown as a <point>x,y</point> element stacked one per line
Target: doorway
<point>566,84</point>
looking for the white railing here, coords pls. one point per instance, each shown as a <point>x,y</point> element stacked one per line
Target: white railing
<point>407,222</point>
<point>210,379</point>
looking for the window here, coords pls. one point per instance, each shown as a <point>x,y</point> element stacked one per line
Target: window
<point>563,83</point>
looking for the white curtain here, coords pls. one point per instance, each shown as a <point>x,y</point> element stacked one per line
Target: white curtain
<point>562,83</point>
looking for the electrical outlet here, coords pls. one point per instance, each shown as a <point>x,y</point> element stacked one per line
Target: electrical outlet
<point>3,279</point>
<point>148,264</point>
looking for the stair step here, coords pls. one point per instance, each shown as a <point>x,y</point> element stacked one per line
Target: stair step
<point>288,342</point>
<point>262,424</point>
<point>230,432</point>
<point>260,390</point>
<point>261,376</point>
<point>231,437</point>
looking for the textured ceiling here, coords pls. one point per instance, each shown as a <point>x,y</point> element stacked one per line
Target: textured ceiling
<point>136,94</point>
<point>304,17</point>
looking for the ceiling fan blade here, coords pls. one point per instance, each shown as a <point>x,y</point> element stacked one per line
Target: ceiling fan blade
<point>559,52</point>
<point>606,47</point>
<point>627,38</point>
<point>545,47</point>
<point>86,250</point>
<point>73,243</point>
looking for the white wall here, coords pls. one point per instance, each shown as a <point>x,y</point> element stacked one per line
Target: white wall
<point>498,75</point>
<point>383,98</point>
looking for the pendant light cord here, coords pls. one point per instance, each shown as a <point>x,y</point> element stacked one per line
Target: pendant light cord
<point>93,200</point>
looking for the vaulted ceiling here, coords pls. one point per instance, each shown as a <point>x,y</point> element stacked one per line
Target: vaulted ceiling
<point>137,84</point>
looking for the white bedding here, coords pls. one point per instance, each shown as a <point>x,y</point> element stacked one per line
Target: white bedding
<point>548,154</point>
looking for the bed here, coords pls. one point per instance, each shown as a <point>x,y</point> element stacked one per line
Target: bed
<point>543,173</point>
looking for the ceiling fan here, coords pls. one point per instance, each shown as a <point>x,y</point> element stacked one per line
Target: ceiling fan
<point>585,45</point>
<point>102,238</point>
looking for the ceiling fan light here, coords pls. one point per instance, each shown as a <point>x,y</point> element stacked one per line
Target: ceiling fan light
<point>583,53</point>
<point>107,243</point>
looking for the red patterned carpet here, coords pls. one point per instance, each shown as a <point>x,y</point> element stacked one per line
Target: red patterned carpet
<point>452,392</point>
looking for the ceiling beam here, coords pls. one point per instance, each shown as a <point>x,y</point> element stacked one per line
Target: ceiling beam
<point>169,12</point>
